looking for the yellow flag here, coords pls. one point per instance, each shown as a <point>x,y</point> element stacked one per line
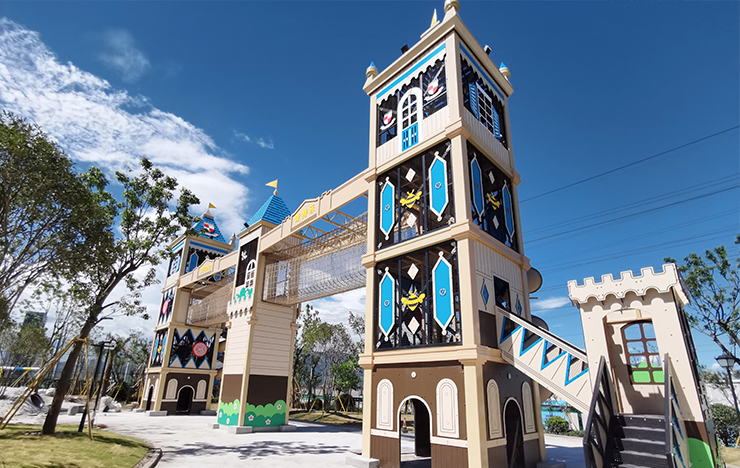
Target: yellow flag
<point>210,205</point>
<point>272,184</point>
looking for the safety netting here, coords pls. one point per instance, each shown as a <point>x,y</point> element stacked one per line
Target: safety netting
<point>324,266</point>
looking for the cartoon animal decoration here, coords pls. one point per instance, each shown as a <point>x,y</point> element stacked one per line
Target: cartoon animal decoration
<point>240,295</point>
<point>410,199</point>
<point>492,200</point>
<point>414,299</point>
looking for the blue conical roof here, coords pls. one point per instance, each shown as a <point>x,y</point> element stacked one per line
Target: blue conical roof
<point>273,211</point>
<point>208,228</point>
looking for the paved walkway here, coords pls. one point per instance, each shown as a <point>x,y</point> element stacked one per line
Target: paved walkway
<point>188,441</point>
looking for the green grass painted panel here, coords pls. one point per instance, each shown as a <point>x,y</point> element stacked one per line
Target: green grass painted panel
<point>272,414</point>
<point>228,413</point>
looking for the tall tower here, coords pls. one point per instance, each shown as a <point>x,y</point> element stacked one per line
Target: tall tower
<point>182,364</point>
<point>259,345</point>
<point>444,252</point>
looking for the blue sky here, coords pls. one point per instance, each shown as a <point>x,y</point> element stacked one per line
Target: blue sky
<point>228,96</point>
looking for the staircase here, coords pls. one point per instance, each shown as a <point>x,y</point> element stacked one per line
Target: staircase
<point>547,359</point>
<point>640,441</point>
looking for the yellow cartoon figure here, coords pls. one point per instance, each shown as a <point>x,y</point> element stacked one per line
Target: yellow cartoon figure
<point>414,299</point>
<point>411,198</point>
<point>492,200</point>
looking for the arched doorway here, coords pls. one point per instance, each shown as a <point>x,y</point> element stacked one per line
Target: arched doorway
<point>149,397</point>
<point>414,412</point>
<point>514,435</point>
<point>184,400</point>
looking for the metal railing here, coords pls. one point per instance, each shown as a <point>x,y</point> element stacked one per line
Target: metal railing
<point>599,442</point>
<point>676,443</point>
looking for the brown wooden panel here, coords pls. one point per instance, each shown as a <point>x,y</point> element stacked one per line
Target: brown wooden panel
<point>531,453</point>
<point>424,385</point>
<point>487,329</point>
<point>497,457</point>
<point>387,450</point>
<point>445,456</point>
<point>231,387</point>
<point>266,389</point>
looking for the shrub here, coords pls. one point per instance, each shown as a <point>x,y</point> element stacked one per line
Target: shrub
<point>347,401</point>
<point>557,425</point>
<point>318,406</point>
<point>725,423</point>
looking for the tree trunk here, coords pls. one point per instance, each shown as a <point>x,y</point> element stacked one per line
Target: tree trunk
<point>50,424</point>
<point>106,375</point>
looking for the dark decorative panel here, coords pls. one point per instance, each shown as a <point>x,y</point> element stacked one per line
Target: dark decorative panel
<point>247,253</point>
<point>432,83</point>
<point>175,263</point>
<point>417,299</point>
<point>415,197</point>
<point>160,340</point>
<point>192,351</point>
<point>483,101</point>
<point>165,310</point>
<point>197,256</point>
<point>492,199</point>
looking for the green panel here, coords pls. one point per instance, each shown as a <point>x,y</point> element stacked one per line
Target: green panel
<point>263,416</point>
<point>700,454</point>
<point>658,376</point>
<point>228,413</point>
<point>641,376</point>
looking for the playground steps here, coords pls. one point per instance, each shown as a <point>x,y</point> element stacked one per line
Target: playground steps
<point>557,365</point>
<point>641,441</point>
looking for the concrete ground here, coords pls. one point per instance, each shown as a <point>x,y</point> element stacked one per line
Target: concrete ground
<point>189,441</point>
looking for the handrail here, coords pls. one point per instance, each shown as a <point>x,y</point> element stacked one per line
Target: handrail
<point>677,450</point>
<point>548,335</point>
<point>598,434</point>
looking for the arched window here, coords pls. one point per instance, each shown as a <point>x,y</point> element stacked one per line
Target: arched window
<point>494,410</point>
<point>447,418</point>
<point>643,357</point>
<point>200,394</point>
<point>528,408</point>
<point>384,402</point>
<point>171,390</point>
<point>410,109</point>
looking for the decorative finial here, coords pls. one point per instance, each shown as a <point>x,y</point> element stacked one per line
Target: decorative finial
<point>504,71</point>
<point>371,72</point>
<point>232,239</point>
<point>273,184</point>
<point>434,19</point>
<point>208,211</point>
<point>451,8</point>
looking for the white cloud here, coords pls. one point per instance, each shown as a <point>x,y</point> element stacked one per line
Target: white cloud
<point>261,142</point>
<point>550,303</point>
<point>122,56</point>
<point>265,144</point>
<point>335,309</point>
<point>98,124</point>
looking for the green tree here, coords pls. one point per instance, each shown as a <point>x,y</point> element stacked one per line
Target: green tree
<point>146,224</point>
<point>49,218</point>
<point>713,283</point>
<point>347,375</point>
<point>725,423</point>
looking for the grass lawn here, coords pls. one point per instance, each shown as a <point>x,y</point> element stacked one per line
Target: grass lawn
<point>24,447</point>
<point>731,455</point>
<point>329,418</point>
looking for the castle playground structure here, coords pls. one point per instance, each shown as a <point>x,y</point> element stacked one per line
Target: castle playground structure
<point>449,329</point>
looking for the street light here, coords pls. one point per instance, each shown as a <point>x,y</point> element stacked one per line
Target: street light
<point>727,361</point>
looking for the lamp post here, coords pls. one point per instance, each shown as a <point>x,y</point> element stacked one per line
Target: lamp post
<point>727,361</point>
